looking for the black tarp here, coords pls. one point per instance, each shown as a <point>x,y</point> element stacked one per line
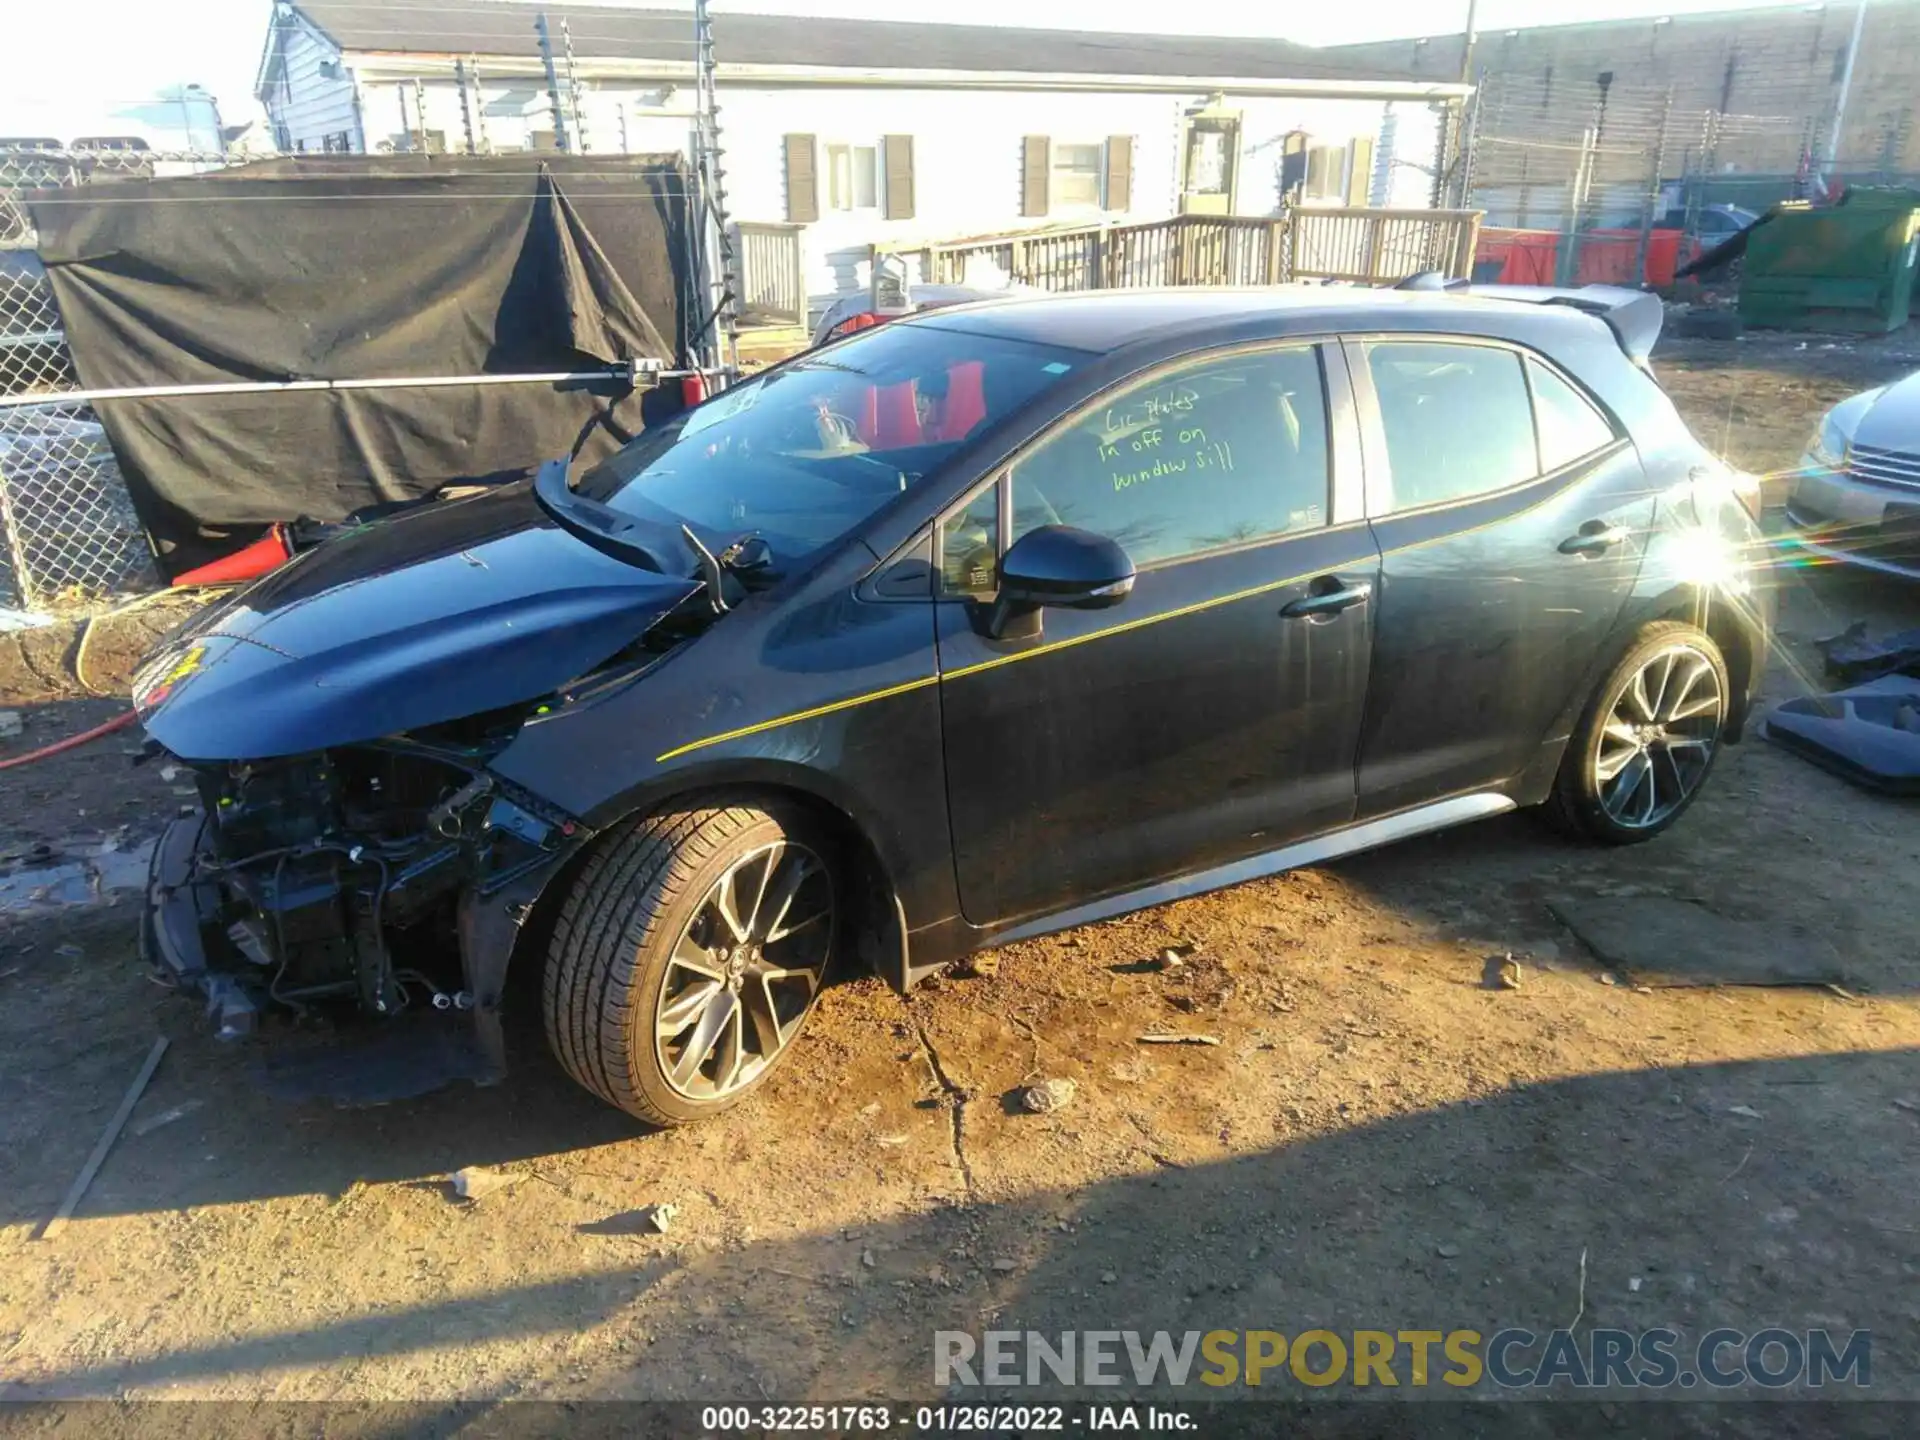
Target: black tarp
<point>359,267</point>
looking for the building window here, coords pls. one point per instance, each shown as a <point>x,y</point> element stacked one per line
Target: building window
<point>340,142</point>
<point>853,177</point>
<point>282,139</point>
<point>1076,175</point>
<point>1210,158</point>
<point>1327,172</point>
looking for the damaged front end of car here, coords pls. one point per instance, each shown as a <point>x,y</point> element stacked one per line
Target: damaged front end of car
<point>354,864</point>
<point>369,880</point>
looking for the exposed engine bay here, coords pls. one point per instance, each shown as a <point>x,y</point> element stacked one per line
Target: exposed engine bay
<point>354,858</point>
<point>326,884</point>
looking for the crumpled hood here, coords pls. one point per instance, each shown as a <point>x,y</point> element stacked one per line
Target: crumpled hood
<point>434,615</point>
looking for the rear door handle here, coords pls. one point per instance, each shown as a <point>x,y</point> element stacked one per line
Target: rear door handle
<point>1328,602</point>
<point>1594,538</point>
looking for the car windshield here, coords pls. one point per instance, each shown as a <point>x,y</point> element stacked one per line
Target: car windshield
<point>803,454</point>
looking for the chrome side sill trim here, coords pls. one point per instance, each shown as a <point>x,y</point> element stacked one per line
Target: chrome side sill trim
<point>1331,846</point>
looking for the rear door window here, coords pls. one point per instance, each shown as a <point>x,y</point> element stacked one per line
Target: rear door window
<point>1457,419</point>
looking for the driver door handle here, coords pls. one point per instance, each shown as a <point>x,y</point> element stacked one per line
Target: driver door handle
<point>1594,538</point>
<point>1328,602</point>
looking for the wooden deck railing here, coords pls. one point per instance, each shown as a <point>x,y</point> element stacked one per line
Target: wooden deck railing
<point>1352,244</point>
<point>773,281</point>
<point>1373,247</point>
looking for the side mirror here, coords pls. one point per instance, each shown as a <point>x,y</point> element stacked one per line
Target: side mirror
<point>1056,565</point>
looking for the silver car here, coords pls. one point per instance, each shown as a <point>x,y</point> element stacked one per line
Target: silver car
<point>1856,496</point>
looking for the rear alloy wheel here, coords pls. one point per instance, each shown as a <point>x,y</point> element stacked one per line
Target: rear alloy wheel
<point>1648,740</point>
<point>688,957</point>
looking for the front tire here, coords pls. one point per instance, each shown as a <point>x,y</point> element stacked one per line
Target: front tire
<point>688,957</point>
<point>1647,741</point>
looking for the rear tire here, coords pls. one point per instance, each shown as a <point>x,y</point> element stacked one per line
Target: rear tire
<point>1647,741</point>
<point>688,957</point>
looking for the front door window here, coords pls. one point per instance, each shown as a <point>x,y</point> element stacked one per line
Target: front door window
<point>1221,453</point>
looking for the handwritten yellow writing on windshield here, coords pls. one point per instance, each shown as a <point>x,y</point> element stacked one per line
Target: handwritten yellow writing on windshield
<point>1153,440</point>
<point>1160,408</point>
<point>1217,456</point>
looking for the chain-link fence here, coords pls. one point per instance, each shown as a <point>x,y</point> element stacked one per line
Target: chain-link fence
<point>68,532</point>
<point>1592,169</point>
<point>1579,162</point>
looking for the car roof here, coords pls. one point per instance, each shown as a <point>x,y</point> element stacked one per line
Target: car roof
<point>1103,321</point>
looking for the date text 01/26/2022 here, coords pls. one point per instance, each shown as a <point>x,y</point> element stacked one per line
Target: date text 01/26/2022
<point>940,1419</point>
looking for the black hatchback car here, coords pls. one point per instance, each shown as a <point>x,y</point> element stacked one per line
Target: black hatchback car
<point>971,627</point>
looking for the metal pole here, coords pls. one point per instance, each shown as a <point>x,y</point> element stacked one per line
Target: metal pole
<point>479,105</point>
<point>652,368</point>
<point>573,87</point>
<point>466,104</point>
<point>1469,149</point>
<point>1443,154</point>
<point>553,83</point>
<point>1652,208</point>
<point>359,116</point>
<point>1695,183</point>
<point>1447,187</point>
<point>1840,100</point>
<point>1568,261</point>
<point>16,550</point>
<point>717,280</point>
<point>420,112</point>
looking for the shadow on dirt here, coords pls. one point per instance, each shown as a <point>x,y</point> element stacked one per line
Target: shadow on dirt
<point>73,1026</point>
<point>1763,1221</point>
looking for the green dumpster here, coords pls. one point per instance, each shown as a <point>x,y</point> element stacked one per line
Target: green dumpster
<point>1848,267</point>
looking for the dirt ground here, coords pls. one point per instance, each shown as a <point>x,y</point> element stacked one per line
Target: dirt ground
<point>1379,1140</point>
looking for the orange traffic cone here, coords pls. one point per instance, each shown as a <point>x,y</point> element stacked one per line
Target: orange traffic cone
<point>267,553</point>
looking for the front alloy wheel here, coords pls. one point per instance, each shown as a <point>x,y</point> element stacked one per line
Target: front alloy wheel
<point>688,955</point>
<point>743,973</point>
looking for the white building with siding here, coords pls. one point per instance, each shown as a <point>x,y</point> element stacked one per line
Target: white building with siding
<point>866,132</point>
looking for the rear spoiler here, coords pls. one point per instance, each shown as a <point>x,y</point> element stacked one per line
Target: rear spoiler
<point>1634,316</point>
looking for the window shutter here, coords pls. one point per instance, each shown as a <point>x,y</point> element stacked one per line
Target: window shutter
<point>1036,159</point>
<point>898,152</point>
<point>1119,172</point>
<point>803,181</point>
<point>1293,164</point>
<point>1360,172</point>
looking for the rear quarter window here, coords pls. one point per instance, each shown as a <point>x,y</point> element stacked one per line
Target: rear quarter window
<point>1571,427</point>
